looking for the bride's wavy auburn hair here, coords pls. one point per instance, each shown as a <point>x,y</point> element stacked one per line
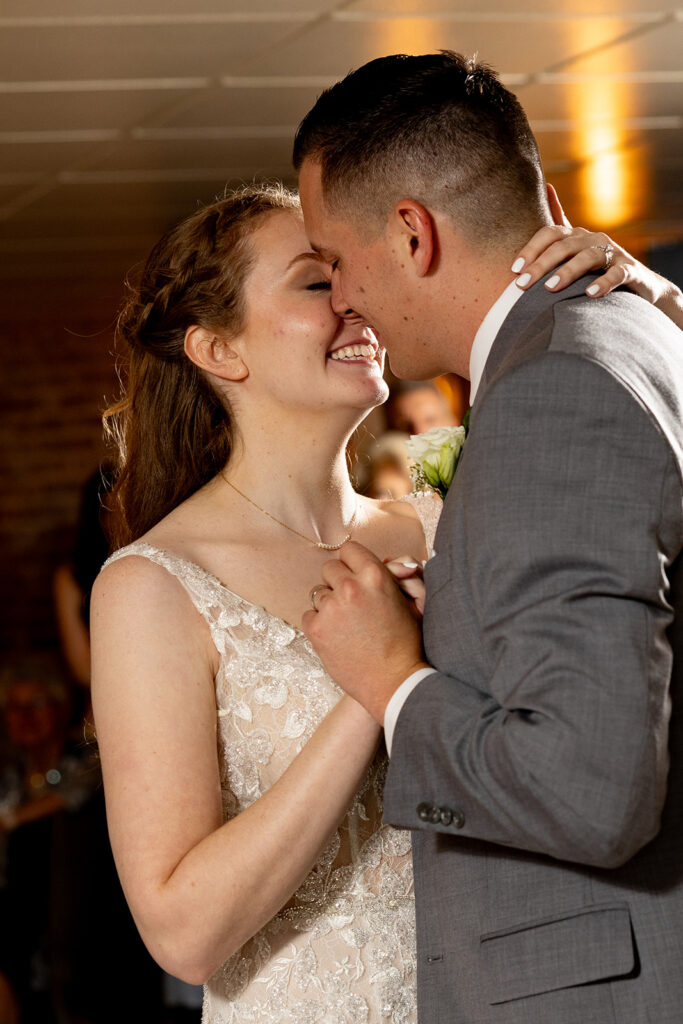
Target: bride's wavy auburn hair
<point>172,429</point>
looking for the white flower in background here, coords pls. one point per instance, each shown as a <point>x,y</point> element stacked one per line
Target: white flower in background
<point>435,456</point>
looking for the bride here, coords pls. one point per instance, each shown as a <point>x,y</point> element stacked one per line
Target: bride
<point>244,792</point>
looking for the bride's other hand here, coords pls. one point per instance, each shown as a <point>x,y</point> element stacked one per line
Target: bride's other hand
<point>409,576</point>
<point>574,252</point>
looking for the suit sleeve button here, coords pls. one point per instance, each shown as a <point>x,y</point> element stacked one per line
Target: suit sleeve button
<point>458,819</point>
<point>446,816</point>
<point>424,811</point>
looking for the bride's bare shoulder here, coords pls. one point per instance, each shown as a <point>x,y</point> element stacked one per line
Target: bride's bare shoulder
<point>402,526</point>
<point>133,578</point>
<point>411,505</point>
<point>412,520</point>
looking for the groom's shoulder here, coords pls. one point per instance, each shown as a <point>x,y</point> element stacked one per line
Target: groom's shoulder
<point>632,340</point>
<point>619,328</point>
<point>619,339</point>
<point>620,331</point>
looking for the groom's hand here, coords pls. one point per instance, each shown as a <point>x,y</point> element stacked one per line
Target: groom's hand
<point>363,629</point>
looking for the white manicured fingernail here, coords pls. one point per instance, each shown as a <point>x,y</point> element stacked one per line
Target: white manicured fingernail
<point>517,265</point>
<point>593,289</point>
<point>410,565</point>
<point>553,281</point>
<point>523,280</point>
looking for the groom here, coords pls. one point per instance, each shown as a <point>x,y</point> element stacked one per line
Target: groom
<point>536,745</point>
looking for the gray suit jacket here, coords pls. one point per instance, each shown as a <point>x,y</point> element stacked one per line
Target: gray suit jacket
<point>541,767</point>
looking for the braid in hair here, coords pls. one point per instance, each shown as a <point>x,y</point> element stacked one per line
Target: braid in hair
<point>172,429</point>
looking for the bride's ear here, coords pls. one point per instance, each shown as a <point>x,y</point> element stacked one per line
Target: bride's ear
<point>214,353</point>
<point>415,233</point>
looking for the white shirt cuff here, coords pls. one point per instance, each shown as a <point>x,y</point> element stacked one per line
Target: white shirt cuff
<point>393,708</point>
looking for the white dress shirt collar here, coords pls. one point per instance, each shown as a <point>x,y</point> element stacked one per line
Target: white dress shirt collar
<point>486,335</point>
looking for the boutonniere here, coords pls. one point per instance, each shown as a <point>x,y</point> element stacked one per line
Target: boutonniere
<point>435,455</point>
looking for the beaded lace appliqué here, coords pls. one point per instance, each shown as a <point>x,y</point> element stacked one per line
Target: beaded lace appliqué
<point>342,951</point>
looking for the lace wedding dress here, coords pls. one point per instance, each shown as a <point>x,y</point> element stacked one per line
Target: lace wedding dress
<point>342,950</point>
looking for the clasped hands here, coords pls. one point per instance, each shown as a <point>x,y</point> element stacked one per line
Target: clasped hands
<point>365,628</point>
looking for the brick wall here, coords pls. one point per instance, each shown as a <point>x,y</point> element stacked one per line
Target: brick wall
<point>57,367</point>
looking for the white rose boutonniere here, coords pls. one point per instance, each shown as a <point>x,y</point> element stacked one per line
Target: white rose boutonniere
<point>435,456</point>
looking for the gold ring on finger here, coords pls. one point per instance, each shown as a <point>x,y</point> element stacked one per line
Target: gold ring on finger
<point>314,593</point>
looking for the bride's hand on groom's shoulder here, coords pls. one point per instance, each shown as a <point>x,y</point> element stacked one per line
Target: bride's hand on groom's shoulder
<point>363,628</point>
<point>573,252</point>
<point>410,578</point>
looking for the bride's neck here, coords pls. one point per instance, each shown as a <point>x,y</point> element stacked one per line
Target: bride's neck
<point>301,478</point>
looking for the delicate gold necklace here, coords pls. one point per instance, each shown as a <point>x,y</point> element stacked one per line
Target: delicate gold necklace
<point>316,543</point>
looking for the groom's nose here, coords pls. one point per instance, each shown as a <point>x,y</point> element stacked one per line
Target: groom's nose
<point>339,303</point>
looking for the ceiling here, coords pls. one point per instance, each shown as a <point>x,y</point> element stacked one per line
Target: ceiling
<point>118,116</point>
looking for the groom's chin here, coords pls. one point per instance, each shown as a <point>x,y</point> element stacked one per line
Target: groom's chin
<point>408,366</point>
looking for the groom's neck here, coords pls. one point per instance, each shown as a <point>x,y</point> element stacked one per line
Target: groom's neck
<point>470,285</point>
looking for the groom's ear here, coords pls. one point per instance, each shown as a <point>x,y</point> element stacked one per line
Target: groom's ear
<point>215,353</point>
<point>415,234</point>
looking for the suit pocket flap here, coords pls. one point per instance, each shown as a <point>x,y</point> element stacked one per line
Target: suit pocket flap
<point>591,944</point>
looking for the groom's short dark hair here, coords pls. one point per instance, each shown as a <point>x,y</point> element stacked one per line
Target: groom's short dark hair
<point>438,128</point>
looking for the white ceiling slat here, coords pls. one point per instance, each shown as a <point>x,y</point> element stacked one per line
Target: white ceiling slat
<point>277,81</point>
<point>137,177</point>
<point>90,85</point>
<point>654,76</point>
<point>650,77</point>
<point>256,131</point>
<point>501,17</point>
<point>619,124</point>
<point>244,17</point>
<point>286,132</point>
<point>61,135</point>
<point>500,10</point>
<point>155,20</point>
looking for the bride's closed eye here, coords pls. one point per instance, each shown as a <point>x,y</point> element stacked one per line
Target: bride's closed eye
<point>318,286</point>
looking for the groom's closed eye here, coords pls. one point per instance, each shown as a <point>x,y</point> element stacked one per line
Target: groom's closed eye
<point>318,286</point>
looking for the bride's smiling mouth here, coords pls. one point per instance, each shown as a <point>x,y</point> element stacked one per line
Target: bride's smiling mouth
<point>361,351</point>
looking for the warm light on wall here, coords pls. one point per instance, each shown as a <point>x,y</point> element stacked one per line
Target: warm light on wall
<point>409,35</point>
<point>612,176</point>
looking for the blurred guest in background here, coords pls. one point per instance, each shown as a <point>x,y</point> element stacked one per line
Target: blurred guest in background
<point>74,579</point>
<point>388,471</point>
<point>413,407</point>
<point>9,1008</point>
<point>418,405</point>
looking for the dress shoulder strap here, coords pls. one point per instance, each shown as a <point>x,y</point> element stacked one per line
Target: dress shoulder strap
<point>429,507</point>
<point>209,596</point>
